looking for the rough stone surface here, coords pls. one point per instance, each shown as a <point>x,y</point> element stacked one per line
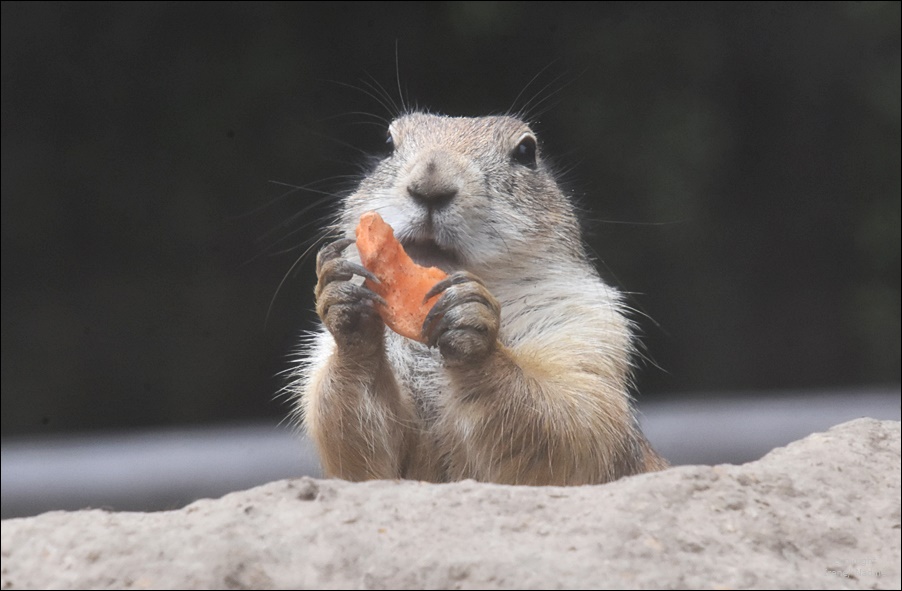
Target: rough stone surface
<point>823,512</point>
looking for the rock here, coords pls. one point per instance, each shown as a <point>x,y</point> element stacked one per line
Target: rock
<point>823,512</point>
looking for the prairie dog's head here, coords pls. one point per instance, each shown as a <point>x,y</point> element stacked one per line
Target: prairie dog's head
<point>469,193</point>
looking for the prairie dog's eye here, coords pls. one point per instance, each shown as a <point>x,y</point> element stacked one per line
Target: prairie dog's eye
<point>525,151</point>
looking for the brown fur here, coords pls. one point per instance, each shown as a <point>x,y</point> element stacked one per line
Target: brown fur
<point>525,377</point>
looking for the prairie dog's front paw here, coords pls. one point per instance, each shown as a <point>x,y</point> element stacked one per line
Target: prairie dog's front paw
<point>347,310</point>
<point>464,322</point>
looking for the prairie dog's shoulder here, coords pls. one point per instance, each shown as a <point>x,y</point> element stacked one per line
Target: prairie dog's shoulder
<point>569,312</point>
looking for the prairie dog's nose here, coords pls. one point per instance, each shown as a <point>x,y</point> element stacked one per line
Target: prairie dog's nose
<point>435,180</point>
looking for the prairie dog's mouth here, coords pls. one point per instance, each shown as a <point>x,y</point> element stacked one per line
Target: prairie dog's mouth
<point>427,253</point>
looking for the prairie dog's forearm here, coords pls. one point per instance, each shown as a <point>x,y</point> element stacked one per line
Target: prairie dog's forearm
<point>518,419</point>
<point>358,419</point>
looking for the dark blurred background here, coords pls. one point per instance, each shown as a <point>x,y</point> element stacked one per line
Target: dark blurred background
<point>740,164</point>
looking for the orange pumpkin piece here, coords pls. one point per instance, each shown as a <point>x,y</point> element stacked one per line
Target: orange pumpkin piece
<point>404,283</point>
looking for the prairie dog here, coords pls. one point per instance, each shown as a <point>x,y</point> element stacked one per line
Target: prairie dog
<point>525,377</point>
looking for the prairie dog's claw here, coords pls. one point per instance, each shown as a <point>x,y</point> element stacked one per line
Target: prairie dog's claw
<point>464,322</point>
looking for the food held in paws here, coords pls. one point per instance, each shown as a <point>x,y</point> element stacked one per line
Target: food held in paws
<point>403,283</point>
